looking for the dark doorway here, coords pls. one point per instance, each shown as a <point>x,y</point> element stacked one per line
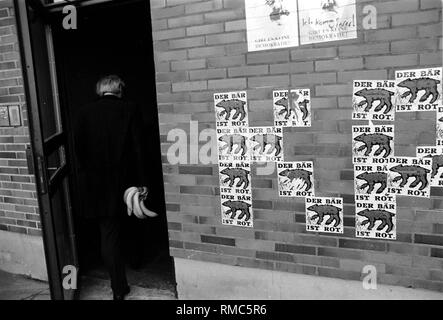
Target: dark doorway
<point>116,39</point>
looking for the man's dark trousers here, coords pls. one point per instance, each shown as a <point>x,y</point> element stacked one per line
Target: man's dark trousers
<point>111,250</point>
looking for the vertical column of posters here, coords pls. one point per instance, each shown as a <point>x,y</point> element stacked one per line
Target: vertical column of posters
<point>295,179</point>
<point>231,111</point>
<point>435,153</point>
<point>327,20</point>
<point>375,216</point>
<point>370,146</point>
<point>374,100</point>
<point>295,114</point>
<point>324,214</point>
<point>236,193</point>
<point>419,90</point>
<point>271,24</point>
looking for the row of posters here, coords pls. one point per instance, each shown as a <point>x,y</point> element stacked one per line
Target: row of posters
<point>375,216</point>
<point>273,24</point>
<point>412,90</point>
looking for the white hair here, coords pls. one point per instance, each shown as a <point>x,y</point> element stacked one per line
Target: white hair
<point>110,84</point>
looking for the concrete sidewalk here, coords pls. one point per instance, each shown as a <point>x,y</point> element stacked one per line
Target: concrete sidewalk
<point>17,287</point>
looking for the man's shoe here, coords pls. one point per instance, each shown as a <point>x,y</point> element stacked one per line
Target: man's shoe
<point>122,295</point>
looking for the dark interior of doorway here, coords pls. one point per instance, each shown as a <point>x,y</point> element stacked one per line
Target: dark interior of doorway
<point>116,39</point>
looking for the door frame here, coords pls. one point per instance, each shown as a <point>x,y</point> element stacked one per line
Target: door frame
<point>40,146</point>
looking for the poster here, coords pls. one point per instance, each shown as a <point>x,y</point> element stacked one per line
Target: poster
<point>436,154</point>
<point>374,100</point>
<point>236,193</point>
<point>409,176</point>
<point>370,178</point>
<point>375,216</point>
<point>231,109</point>
<point>324,214</point>
<point>233,143</point>
<point>419,90</point>
<point>327,20</point>
<point>372,141</point>
<point>14,116</point>
<point>295,179</point>
<point>266,144</point>
<point>439,126</point>
<point>295,114</point>
<point>271,24</point>
<point>4,116</point>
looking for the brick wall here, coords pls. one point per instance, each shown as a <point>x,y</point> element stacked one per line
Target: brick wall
<point>18,199</point>
<point>200,48</point>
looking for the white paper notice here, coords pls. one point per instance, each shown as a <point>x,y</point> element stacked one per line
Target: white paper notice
<point>376,216</point>
<point>374,100</point>
<point>419,90</point>
<point>295,179</point>
<point>409,176</point>
<point>271,24</point>
<point>327,20</point>
<point>436,154</point>
<point>266,144</point>
<point>324,214</point>
<point>295,114</point>
<point>372,142</point>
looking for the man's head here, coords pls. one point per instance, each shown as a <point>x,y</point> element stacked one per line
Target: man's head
<point>110,85</point>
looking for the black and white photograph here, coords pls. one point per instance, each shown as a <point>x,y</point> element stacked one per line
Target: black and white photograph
<point>220,159</point>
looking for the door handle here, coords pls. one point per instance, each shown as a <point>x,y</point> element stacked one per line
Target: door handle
<point>42,179</point>
<point>29,159</point>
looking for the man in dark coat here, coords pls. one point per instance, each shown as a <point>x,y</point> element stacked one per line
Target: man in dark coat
<point>110,160</point>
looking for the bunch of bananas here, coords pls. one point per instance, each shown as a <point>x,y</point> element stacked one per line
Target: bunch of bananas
<point>134,197</point>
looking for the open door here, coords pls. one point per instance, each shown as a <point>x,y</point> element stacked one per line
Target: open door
<point>48,141</point>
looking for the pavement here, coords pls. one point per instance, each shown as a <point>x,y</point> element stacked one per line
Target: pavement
<point>18,287</point>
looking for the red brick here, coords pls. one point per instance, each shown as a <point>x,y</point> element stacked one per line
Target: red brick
<point>268,81</point>
<point>339,64</point>
<point>267,57</point>
<point>207,74</point>
<point>411,46</point>
<point>203,6</point>
<point>248,71</point>
<point>430,4</point>
<point>189,86</point>
<point>397,6</point>
<point>186,43</point>
<point>313,78</point>
<point>235,84</point>
<point>235,25</point>
<point>168,34</point>
<point>409,60</point>
<point>297,67</point>
<point>222,16</point>
<point>391,34</point>
<point>415,18</point>
<point>225,38</point>
<point>363,50</point>
<point>313,54</point>
<point>204,29</point>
